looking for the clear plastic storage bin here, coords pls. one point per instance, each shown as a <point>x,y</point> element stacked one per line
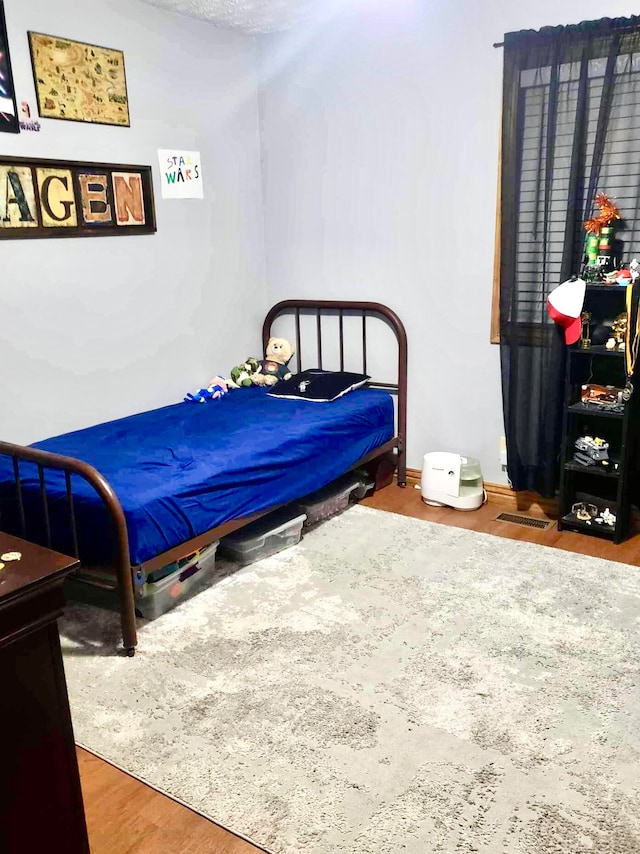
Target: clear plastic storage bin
<point>334,498</point>
<point>152,598</point>
<point>264,537</point>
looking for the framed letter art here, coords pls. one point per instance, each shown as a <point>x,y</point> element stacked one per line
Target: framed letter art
<point>67,198</point>
<point>9,122</point>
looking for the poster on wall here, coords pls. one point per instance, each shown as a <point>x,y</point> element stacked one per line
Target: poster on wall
<point>27,117</point>
<point>67,198</point>
<point>9,122</point>
<point>79,82</point>
<point>180,173</point>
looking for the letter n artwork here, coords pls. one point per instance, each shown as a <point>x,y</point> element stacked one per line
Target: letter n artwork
<point>127,189</point>
<point>60,198</point>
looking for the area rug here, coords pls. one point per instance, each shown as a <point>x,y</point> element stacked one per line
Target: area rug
<point>388,685</point>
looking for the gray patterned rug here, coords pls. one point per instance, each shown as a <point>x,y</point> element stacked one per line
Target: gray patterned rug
<point>388,685</point>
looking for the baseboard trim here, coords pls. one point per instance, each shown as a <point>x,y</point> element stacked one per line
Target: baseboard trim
<point>500,493</point>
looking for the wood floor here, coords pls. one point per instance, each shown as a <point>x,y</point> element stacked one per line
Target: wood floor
<point>125,816</point>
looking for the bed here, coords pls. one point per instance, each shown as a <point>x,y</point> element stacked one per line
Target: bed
<point>140,492</point>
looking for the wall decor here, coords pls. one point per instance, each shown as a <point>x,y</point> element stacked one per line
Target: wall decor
<point>67,198</point>
<point>79,82</point>
<point>180,173</point>
<point>25,116</point>
<point>8,110</point>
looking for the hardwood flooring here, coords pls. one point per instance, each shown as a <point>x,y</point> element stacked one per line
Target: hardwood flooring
<point>125,816</point>
<point>409,502</point>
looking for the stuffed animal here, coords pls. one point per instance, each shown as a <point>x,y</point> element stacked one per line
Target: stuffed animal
<point>241,374</point>
<point>274,366</point>
<point>216,389</point>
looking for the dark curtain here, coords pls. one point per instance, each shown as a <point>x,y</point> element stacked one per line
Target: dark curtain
<point>571,128</point>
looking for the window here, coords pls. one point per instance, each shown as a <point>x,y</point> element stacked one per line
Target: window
<point>571,129</point>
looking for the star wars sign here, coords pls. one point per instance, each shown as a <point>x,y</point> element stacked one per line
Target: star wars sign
<point>56,198</point>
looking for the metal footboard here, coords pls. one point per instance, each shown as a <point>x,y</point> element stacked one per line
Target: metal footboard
<point>70,466</point>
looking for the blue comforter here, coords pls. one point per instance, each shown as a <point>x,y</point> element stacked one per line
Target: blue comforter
<point>183,469</point>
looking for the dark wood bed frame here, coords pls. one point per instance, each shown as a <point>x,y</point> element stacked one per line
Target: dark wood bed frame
<point>381,462</point>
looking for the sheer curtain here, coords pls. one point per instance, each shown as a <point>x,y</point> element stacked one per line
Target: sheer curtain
<point>571,128</point>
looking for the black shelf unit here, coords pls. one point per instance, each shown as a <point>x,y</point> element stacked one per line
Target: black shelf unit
<point>604,487</point>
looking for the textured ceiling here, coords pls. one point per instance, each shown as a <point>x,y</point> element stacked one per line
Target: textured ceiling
<point>254,16</point>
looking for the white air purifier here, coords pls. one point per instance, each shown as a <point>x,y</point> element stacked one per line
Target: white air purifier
<point>452,480</point>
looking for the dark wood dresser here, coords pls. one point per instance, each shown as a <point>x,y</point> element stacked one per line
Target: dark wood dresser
<point>41,805</point>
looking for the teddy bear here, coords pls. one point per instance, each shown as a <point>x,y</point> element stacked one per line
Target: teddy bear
<point>241,374</point>
<point>274,366</point>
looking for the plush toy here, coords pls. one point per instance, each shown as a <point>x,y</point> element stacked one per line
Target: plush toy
<point>241,374</point>
<point>274,366</point>
<point>215,390</point>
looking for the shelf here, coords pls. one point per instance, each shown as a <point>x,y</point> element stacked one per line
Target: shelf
<point>570,521</point>
<point>596,470</point>
<point>583,409</point>
<point>599,350</point>
<point>601,287</point>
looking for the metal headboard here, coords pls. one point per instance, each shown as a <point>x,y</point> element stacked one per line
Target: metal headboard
<point>368,311</point>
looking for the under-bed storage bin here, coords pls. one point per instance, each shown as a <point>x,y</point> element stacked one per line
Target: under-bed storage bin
<point>264,537</point>
<point>158,597</point>
<point>151,598</point>
<point>335,497</point>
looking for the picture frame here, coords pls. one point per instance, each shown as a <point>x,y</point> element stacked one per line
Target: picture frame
<point>9,120</point>
<point>42,198</point>
<point>78,81</point>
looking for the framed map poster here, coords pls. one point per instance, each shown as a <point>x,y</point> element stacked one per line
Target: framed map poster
<point>79,82</point>
<point>8,111</point>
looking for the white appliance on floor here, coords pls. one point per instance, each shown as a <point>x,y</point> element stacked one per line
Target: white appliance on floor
<point>452,480</point>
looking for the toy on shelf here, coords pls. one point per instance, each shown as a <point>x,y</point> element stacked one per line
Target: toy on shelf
<point>618,336</point>
<point>593,451</point>
<point>588,513</point>
<point>599,245</point>
<point>623,276</point>
<point>606,397</point>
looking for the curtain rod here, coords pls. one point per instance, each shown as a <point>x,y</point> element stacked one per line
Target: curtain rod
<point>621,29</point>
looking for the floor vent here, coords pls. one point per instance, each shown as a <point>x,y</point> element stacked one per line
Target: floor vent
<point>524,521</point>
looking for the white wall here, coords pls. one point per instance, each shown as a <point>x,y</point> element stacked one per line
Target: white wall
<point>95,328</point>
<point>380,132</point>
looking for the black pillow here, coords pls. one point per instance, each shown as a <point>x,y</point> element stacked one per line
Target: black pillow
<point>319,386</point>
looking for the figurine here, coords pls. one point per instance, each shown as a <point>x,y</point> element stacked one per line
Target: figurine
<point>618,333</point>
<point>585,340</point>
<point>623,276</point>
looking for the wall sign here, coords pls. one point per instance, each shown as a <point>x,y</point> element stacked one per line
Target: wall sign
<point>77,81</point>
<point>66,198</point>
<point>180,174</point>
<point>8,110</point>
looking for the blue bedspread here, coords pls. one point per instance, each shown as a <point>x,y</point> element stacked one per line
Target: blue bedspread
<point>183,469</point>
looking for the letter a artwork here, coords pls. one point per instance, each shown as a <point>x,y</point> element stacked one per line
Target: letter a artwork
<point>17,198</point>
